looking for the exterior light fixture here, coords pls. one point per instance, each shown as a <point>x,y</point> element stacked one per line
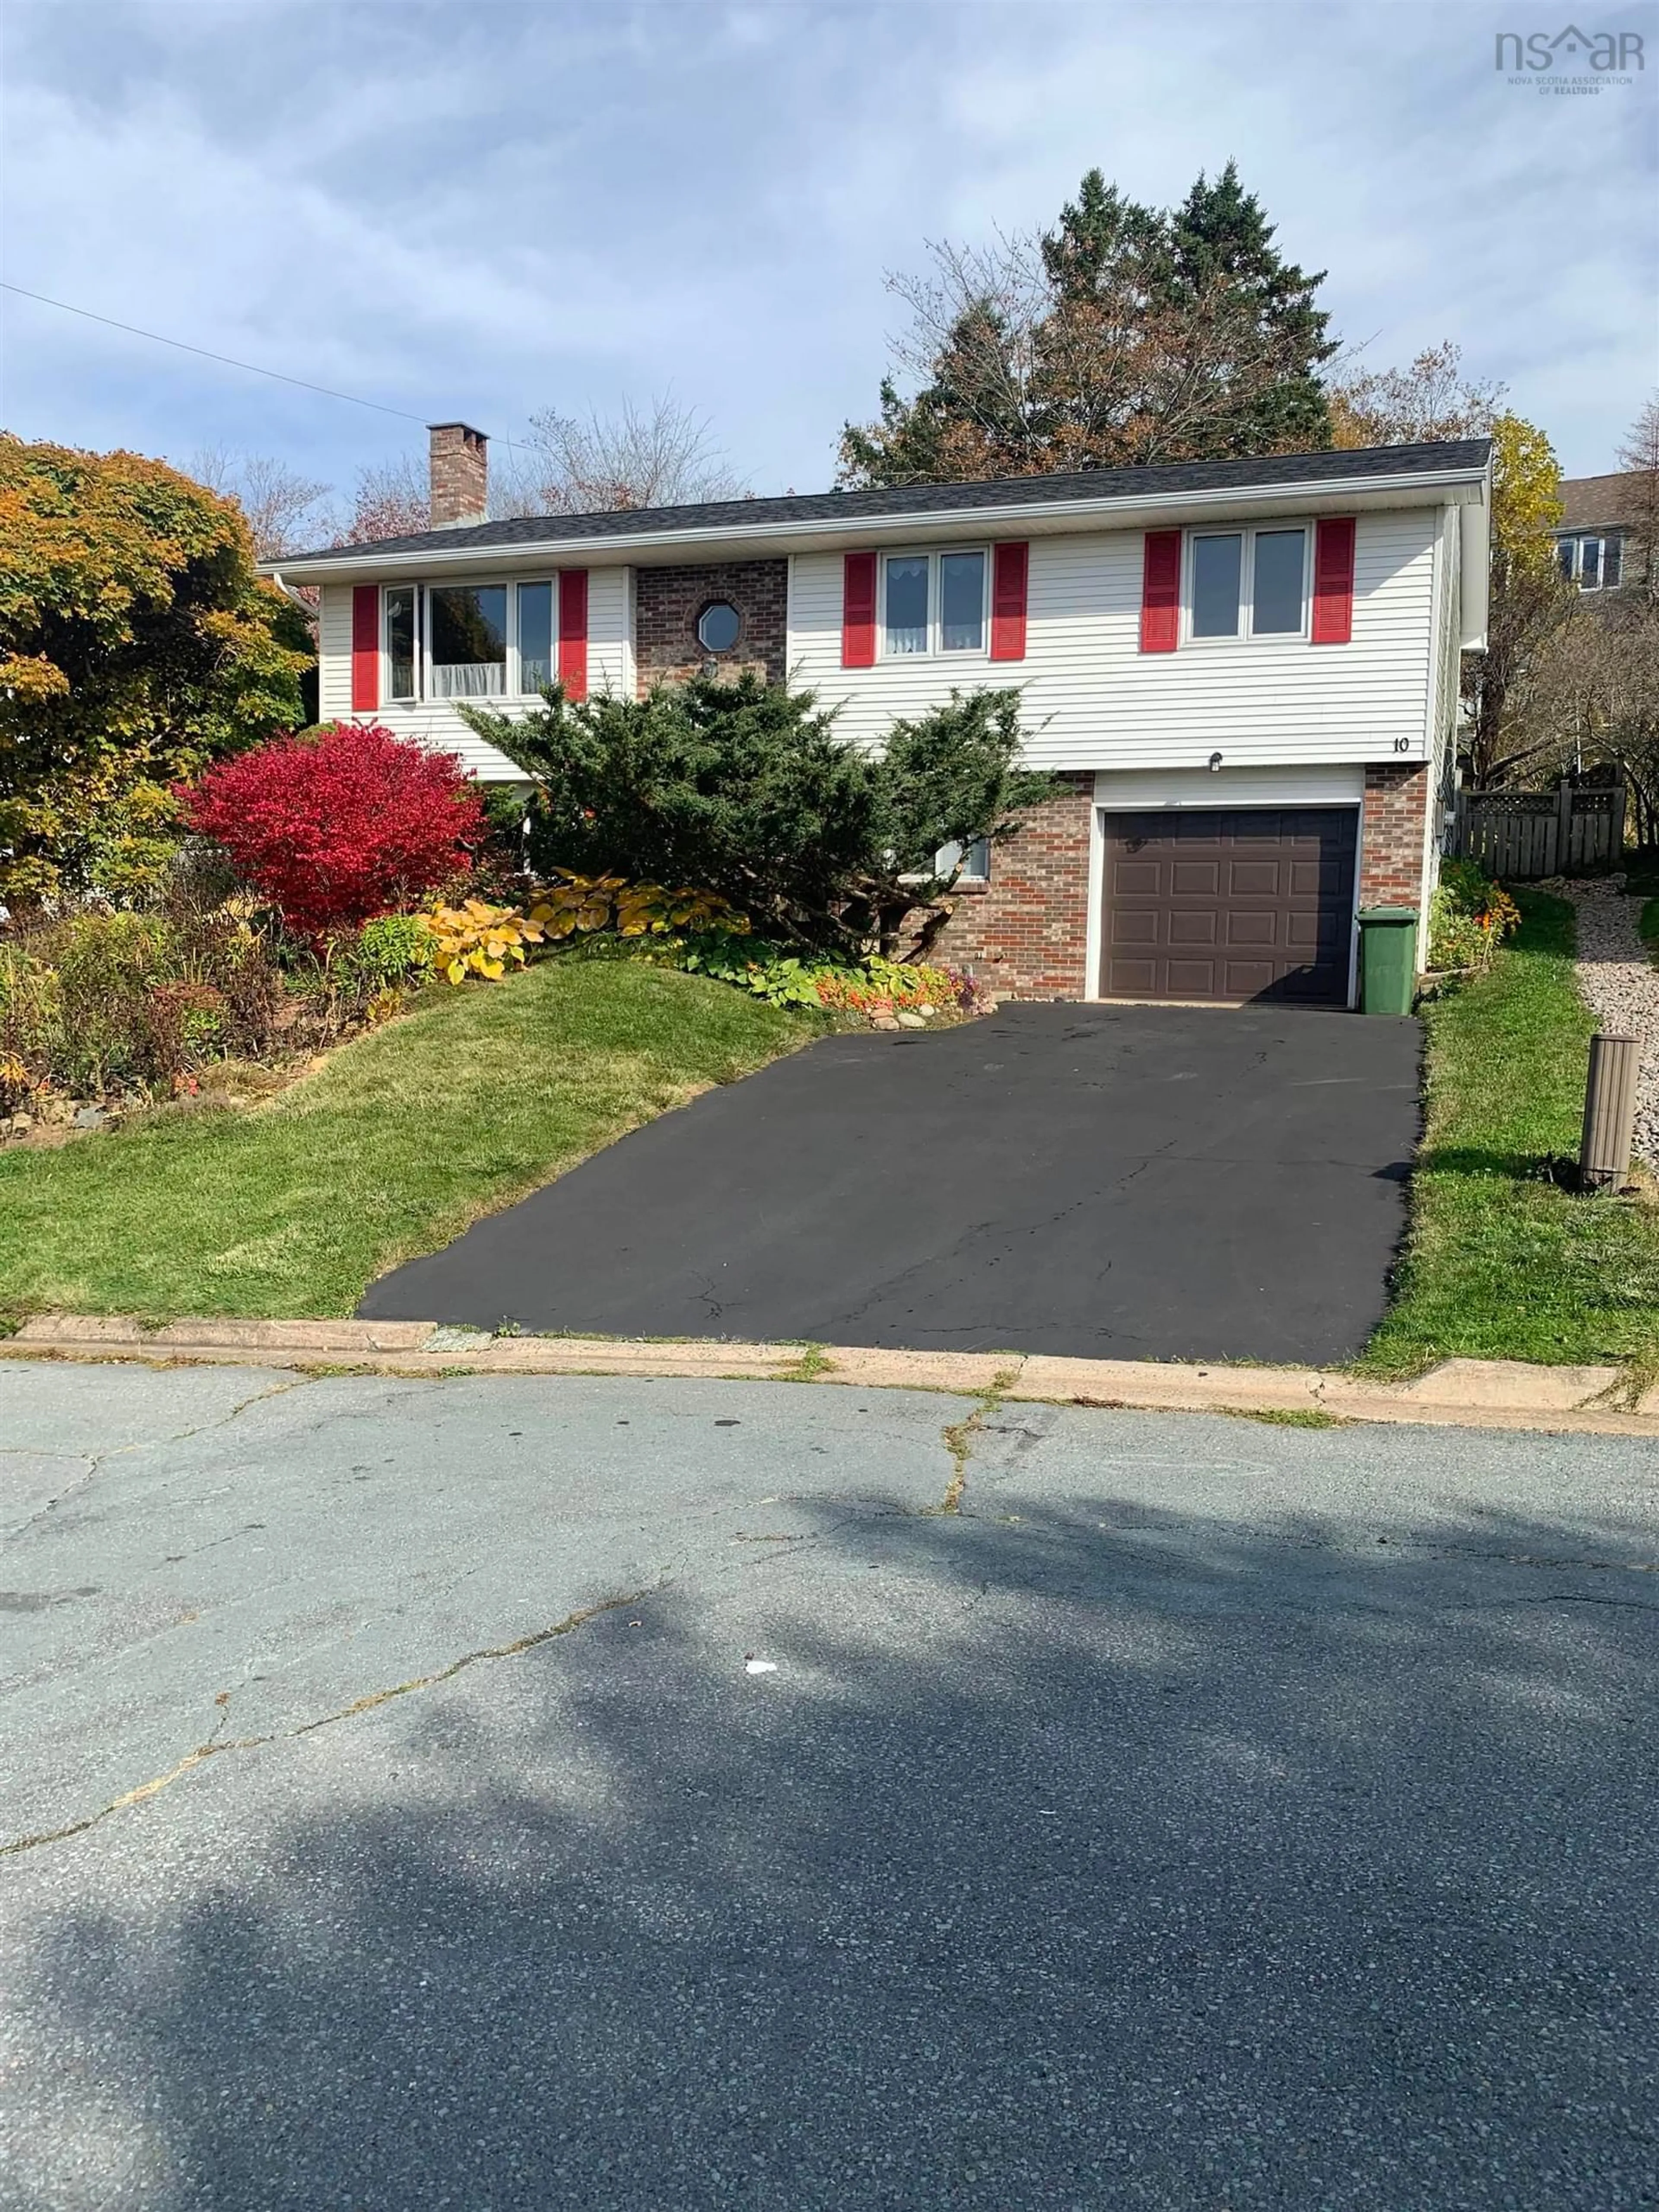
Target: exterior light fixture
<point>1215,763</point>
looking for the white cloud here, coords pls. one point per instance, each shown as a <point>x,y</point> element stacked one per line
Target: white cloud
<point>473,210</point>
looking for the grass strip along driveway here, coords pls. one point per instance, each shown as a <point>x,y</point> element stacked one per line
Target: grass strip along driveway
<point>391,1148</point>
<point>1501,1262</point>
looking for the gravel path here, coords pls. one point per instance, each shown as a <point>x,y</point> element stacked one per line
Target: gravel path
<point>1619,982</point>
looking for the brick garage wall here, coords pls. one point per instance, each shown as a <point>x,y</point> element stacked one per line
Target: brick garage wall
<point>1393,834</point>
<point>668,601</point>
<point>1024,934</point>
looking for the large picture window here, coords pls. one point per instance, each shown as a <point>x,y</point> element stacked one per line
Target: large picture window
<point>467,625</point>
<point>1248,583</point>
<point>934,603</point>
<point>469,641</point>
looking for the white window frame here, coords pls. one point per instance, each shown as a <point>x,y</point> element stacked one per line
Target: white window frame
<point>975,857</point>
<point>386,693</point>
<point>935,648</point>
<point>512,674</point>
<point>1250,531</point>
<point>1590,538</point>
<point>515,667</point>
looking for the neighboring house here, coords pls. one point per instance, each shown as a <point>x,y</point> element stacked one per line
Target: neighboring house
<point>1246,673</point>
<point>1594,538</point>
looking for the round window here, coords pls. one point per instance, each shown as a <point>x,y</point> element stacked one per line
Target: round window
<point>718,627</point>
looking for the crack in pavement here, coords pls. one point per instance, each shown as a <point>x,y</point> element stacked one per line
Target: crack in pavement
<point>216,1743</point>
<point>95,1463</point>
<point>957,1437</point>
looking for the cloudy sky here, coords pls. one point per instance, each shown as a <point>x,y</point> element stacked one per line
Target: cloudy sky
<point>483,208</point>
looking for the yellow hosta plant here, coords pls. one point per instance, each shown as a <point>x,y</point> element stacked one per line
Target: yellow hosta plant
<point>575,903</point>
<point>475,939</point>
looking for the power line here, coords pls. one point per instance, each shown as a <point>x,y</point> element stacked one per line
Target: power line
<point>253,367</point>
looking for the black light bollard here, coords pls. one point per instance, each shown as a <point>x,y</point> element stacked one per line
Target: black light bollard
<point>1609,1111</point>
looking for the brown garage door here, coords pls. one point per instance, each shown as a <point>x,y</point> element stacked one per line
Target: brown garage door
<point>1253,904</point>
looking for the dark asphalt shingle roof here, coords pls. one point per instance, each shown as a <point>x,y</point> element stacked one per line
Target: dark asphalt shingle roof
<point>898,501</point>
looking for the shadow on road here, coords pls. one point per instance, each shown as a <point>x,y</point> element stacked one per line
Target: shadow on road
<point>1085,1859</point>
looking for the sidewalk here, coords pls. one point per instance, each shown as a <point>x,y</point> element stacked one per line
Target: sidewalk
<point>1459,1392</point>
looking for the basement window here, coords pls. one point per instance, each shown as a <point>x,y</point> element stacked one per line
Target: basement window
<point>976,861</point>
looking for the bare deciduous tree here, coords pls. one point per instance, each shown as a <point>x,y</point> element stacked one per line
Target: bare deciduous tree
<point>1430,398</point>
<point>284,508</point>
<point>1640,455</point>
<point>1594,693</point>
<point>392,499</point>
<point>661,455</point>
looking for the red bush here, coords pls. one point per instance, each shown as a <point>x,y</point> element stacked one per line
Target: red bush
<point>339,824</point>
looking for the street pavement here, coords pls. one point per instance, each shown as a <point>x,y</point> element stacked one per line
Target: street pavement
<point>531,1792</point>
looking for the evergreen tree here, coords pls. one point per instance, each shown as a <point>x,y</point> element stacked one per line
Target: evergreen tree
<point>1122,335</point>
<point>1225,270</point>
<point>745,789</point>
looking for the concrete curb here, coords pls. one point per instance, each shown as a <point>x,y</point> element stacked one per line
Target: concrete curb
<point>1459,1392</point>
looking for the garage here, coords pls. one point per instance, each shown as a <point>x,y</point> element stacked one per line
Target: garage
<point>1230,905</point>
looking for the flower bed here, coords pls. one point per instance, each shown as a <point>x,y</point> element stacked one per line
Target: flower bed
<point>1469,917</point>
<point>102,1013</point>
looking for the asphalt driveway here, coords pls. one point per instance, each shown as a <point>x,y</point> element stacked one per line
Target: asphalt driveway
<point>1133,1182</point>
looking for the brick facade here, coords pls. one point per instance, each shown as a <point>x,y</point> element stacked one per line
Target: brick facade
<point>1025,933</point>
<point>1393,833</point>
<point>458,475</point>
<point>668,602</point>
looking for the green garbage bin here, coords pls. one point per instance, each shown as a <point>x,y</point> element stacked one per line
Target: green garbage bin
<point>1388,959</point>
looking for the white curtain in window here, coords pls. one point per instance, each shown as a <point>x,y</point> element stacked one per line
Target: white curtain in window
<point>469,679</point>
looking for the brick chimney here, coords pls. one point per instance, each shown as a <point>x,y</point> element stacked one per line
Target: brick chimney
<point>458,474</point>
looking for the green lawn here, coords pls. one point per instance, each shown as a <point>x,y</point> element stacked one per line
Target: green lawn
<point>1500,1263</point>
<point>390,1149</point>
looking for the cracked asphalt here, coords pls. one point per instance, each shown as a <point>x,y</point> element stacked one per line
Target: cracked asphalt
<point>1126,1183</point>
<point>1141,1810</point>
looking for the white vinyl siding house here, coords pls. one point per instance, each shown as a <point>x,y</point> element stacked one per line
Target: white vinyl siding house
<point>437,722</point>
<point>1093,699</point>
<point>1244,675</point>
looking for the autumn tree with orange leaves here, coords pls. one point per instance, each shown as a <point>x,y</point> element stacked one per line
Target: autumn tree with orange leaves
<point>137,643</point>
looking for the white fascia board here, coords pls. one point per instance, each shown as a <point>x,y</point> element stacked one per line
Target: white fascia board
<point>1034,518</point>
<point>1474,576</point>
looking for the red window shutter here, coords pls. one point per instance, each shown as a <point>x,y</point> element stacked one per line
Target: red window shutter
<point>1333,599</point>
<point>573,632</point>
<point>858,611</point>
<point>365,648</point>
<point>1010,567</point>
<point>1160,592</point>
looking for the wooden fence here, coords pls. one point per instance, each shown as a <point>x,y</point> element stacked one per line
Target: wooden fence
<point>1575,830</point>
